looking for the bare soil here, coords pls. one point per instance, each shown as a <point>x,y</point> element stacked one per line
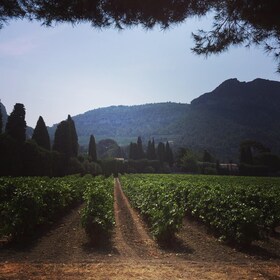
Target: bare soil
<point>65,252</point>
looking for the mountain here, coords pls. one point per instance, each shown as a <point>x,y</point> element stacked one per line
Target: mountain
<point>217,121</point>
<point>236,111</point>
<point>125,123</point>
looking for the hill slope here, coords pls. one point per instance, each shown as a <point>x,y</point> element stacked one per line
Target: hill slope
<point>217,121</point>
<point>126,123</point>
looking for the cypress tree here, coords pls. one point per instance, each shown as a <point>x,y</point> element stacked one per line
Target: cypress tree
<point>169,154</point>
<point>153,150</point>
<point>1,119</point>
<point>66,139</point>
<point>62,139</point>
<point>16,124</point>
<point>41,135</point>
<point>140,151</point>
<point>92,148</point>
<point>73,137</point>
<point>149,150</point>
<point>161,152</point>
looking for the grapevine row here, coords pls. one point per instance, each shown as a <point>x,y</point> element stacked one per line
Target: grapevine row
<point>238,209</point>
<point>30,202</point>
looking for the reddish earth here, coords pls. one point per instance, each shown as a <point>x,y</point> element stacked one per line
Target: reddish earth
<point>64,252</point>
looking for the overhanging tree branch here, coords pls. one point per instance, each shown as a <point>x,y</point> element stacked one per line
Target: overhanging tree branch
<point>235,22</point>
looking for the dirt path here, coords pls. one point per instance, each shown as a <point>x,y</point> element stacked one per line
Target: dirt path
<point>131,237</point>
<point>65,253</point>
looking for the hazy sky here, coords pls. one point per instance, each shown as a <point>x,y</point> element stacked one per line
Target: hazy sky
<point>69,70</point>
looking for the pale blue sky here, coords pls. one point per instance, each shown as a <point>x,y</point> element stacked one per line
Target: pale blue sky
<point>69,70</point>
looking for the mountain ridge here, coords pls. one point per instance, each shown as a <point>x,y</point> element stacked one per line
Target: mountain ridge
<point>218,120</point>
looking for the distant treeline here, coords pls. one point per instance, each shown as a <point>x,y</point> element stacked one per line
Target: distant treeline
<point>36,156</point>
<point>39,157</point>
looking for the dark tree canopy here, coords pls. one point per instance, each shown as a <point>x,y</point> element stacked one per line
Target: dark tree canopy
<point>133,151</point>
<point>1,120</point>
<point>92,149</point>
<point>161,152</point>
<point>169,158</point>
<point>41,135</point>
<point>151,150</point>
<point>235,22</point>
<point>61,142</point>
<point>16,124</point>
<point>73,137</point>
<point>140,151</point>
<point>65,138</point>
<point>207,156</point>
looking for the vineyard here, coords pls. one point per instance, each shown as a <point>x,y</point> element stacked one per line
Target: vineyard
<point>26,204</point>
<point>238,209</point>
<point>96,212</point>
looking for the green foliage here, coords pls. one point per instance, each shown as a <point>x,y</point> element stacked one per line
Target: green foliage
<point>169,155</point>
<point>92,168</point>
<point>159,202</point>
<point>98,214</point>
<point>73,137</point>
<point>238,209</point>
<point>16,124</point>
<point>27,203</point>
<point>161,152</point>
<point>41,135</point>
<point>10,151</point>
<point>92,149</point>
<point>151,150</point>
<point>140,151</point>
<point>66,139</point>
<point>189,162</point>
<point>136,151</point>
<point>207,157</point>
<point>108,148</point>
<point>257,160</point>
<point>111,167</point>
<point>36,161</point>
<point>140,166</point>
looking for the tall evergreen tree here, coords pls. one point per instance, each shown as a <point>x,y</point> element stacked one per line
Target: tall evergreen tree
<point>66,139</point>
<point>169,154</point>
<point>73,137</point>
<point>62,139</point>
<point>92,148</point>
<point>149,150</point>
<point>16,124</point>
<point>41,135</point>
<point>140,151</point>
<point>1,119</point>
<point>153,150</point>
<point>161,152</point>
